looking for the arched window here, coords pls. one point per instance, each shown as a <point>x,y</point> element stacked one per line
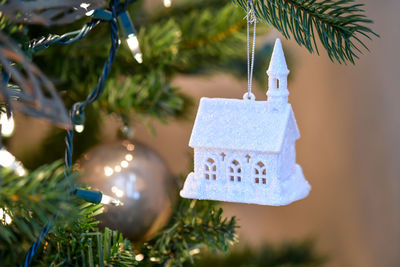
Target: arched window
<point>235,171</point>
<point>210,169</point>
<point>260,173</point>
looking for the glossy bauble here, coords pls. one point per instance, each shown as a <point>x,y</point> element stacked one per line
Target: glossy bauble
<point>137,176</point>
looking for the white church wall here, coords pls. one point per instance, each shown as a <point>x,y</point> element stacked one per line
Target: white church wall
<point>287,158</point>
<point>244,169</point>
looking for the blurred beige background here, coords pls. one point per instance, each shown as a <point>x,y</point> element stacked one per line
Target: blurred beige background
<point>349,119</point>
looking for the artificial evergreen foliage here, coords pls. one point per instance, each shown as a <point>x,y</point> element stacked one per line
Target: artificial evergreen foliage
<point>29,201</point>
<point>295,254</point>
<point>81,243</point>
<point>194,226</point>
<point>340,25</point>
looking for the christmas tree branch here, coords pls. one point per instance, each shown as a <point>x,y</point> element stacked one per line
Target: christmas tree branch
<point>338,24</point>
<point>216,38</point>
<point>28,202</point>
<point>287,254</point>
<point>42,192</point>
<point>195,225</point>
<point>81,243</point>
<point>211,37</point>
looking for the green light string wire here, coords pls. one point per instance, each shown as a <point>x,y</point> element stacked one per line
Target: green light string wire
<point>77,111</point>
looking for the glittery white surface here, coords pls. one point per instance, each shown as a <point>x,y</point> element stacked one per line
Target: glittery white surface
<point>277,65</point>
<point>244,150</point>
<point>239,124</point>
<point>277,193</point>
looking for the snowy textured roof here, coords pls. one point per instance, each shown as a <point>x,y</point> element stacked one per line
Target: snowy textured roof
<point>277,65</point>
<point>240,125</point>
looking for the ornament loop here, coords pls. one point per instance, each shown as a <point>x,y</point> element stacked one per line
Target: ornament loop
<point>249,96</point>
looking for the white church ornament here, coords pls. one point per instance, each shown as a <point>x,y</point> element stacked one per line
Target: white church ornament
<point>244,150</point>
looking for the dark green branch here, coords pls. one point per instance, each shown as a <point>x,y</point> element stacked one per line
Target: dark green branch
<point>338,24</point>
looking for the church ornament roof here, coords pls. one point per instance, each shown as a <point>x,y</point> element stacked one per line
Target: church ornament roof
<point>240,125</point>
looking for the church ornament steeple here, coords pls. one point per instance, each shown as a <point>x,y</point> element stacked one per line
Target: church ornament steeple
<point>277,79</point>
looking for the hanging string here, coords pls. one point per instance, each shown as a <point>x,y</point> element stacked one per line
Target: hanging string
<point>251,18</point>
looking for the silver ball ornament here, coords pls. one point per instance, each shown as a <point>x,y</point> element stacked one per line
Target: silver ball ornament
<point>139,178</point>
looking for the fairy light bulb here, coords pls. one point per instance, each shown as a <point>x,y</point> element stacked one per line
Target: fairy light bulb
<point>79,121</point>
<point>110,201</point>
<point>139,257</point>
<point>5,218</point>
<point>89,13</point>
<point>7,160</point>
<point>79,128</point>
<point>130,36</point>
<point>167,3</point>
<point>7,125</point>
<point>99,13</point>
<point>133,44</point>
<point>97,197</point>
<point>84,5</point>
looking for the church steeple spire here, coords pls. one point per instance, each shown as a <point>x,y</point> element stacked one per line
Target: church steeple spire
<point>277,79</point>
